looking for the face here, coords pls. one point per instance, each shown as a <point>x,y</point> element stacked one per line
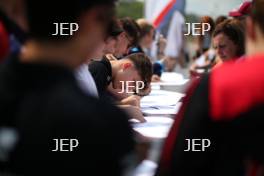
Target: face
<point>110,45</point>
<point>224,47</point>
<point>122,45</point>
<point>92,32</point>
<point>98,53</point>
<point>126,73</point>
<point>15,9</point>
<point>148,39</point>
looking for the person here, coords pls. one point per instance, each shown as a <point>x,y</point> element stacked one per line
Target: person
<point>112,42</point>
<point>225,107</point>
<point>128,103</point>
<point>117,80</point>
<point>204,41</point>
<point>43,108</point>
<point>145,41</point>
<point>133,29</point>
<point>146,37</point>
<point>85,80</point>
<point>228,40</point>
<point>204,53</point>
<point>134,67</point>
<point>13,27</point>
<point>125,39</point>
<point>227,44</point>
<point>174,50</point>
<point>83,74</point>
<point>4,42</point>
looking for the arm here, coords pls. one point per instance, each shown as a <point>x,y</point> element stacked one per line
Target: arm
<point>115,92</point>
<point>133,112</point>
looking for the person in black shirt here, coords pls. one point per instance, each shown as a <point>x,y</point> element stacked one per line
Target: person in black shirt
<point>111,78</point>
<point>41,101</point>
<point>145,40</point>
<point>135,67</point>
<point>102,73</point>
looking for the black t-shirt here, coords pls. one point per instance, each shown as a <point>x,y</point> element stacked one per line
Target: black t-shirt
<point>42,103</point>
<point>102,73</point>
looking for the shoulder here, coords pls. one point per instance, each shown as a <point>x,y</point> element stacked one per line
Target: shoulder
<point>236,87</point>
<point>102,73</point>
<point>104,63</point>
<point>96,116</point>
<point>72,98</point>
<point>71,110</point>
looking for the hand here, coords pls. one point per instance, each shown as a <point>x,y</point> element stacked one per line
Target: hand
<point>134,112</point>
<point>133,100</point>
<point>155,78</point>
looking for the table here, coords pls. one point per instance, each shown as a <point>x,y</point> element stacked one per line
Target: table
<point>159,109</point>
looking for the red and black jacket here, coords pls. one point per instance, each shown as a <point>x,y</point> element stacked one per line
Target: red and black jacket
<point>4,42</point>
<point>8,44</point>
<point>226,107</point>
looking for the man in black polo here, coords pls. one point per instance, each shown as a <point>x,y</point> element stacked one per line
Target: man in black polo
<point>53,127</point>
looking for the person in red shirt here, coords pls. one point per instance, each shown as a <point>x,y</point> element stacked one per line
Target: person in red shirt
<point>226,108</point>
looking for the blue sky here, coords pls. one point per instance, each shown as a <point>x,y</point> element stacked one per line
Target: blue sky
<point>213,8</point>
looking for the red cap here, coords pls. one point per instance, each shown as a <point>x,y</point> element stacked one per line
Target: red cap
<point>243,9</point>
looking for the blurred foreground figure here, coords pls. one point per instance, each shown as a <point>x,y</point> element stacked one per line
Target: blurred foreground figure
<point>43,111</point>
<point>227,109</point>
<point>13,27</point>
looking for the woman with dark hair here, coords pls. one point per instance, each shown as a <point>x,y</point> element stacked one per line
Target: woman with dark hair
<point>123,35</point>
<point>228,40</point>
<point>228,43</point>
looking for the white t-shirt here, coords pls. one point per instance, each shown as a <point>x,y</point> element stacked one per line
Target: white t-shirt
<point>86,81</point>
<point>175,35</point>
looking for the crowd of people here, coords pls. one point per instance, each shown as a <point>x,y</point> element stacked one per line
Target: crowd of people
<point>72,87</point>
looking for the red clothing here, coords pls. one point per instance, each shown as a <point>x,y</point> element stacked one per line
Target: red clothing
<point>226,107</point>
<point>4,42</point>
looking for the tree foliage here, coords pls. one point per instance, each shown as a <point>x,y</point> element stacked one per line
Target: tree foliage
<point>134,10</point>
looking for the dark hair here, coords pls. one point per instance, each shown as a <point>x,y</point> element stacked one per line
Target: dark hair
<point>257,13</point>
<point>234,30</point>
<point>41,15</point>
<point>143,65</point>
<point>114,29</point>
<point>132,29</point>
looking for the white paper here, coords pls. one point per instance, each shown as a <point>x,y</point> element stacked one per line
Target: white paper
<point>171,79</point>
<point>171,83</point>
<point>171,76</point>
<point>161,110</point>
<point>161,98</point>
<point>154,127</point>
